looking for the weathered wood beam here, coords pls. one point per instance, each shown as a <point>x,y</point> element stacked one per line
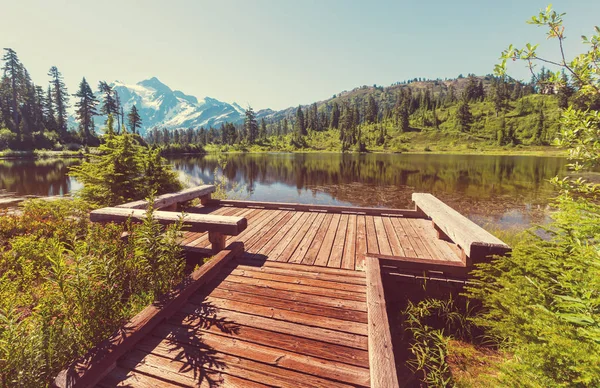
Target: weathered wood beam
<point>172,199</point>
<point>372,211</point>
<point>98,362</point>
<point>454,268</point>
<point>228,225</point>
<point>476,243</point>
<point>382,364</point>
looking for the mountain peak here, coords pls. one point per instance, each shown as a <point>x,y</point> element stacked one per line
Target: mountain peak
<point>154,83</point>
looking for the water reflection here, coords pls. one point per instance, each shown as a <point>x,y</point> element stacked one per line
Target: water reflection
<point>43,177</point>
<point>505,190</point>
<point>501,189</point>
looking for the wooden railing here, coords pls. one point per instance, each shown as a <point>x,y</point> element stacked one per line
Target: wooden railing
<point>218,227</point>
<point>476,243</point>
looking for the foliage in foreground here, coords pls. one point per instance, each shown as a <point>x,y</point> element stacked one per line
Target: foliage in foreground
<point>542,303</point>
<point>66,284</point>
<point>124,171</point>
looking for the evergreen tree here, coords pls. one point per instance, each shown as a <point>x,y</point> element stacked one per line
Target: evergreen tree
<point>464,117</point>
<point>539,129</point>
<point>372,110</point>
<point>135,121</point>
<point>250,125</point>
<point>564,92</point>
<point>300,124</point>
<point>60,98</point>
<point>404,117</point>
<point>286,126</point>
<point>109,104</point>
<point>86,110</point>
<point>13,73</point>
<point>262,133</point>
<point>49,117</point>
<point>335,116</point>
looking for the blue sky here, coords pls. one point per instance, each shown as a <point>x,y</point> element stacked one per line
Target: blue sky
<point>274,53</point>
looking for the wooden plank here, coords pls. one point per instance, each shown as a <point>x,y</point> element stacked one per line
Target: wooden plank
<point>307,240</point>
<point>308,320</point>
<point>203,242</point>
<point>327,245</point>
<point>121,377</point>
<point>271,244</point>
<point>372,243</point>
<point>361,243</point>
<point>299,271</point>
<point>476,242</point>
<point>177,373</point>
<point>91,368</point>
<point>382,238</point>
<point>287,342</point>
<point>311,290</point>
<point>321,208</point>
<point>349,256</point>
<point>315,246</point>
<point>289,250</point>
<point>381,354</point>
<point>266,372</point>
<point>166,200</point>
<point>337,250</point>
<point>191,222</point>
<point>288,237</point>
<point>403,238</point>
<point>415,241</point>
<point>246,258</point>
<point>266,227</point>
<point>257,246</point>
<point>282,303</point>
<point>238,347</point>
<point>290,277</point>
<point>443,248</point>
<point>454,268</point>
<point>293,296</point>
<point>394,241</point>
<point>316,333</point>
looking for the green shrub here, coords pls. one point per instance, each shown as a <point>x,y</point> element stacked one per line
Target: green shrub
<point>124,171</point>
<point>67,284</point>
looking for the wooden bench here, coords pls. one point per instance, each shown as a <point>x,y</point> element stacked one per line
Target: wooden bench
<point>218,227</point>
<point>476,243</point>
<point>172,201</point>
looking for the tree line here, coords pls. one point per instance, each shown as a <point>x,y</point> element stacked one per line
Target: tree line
<point>36,117</point>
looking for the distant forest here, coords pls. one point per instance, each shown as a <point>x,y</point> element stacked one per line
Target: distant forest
<point>497,110</point>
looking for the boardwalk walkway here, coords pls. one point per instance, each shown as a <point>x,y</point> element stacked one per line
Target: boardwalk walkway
<point>293,295</point>
<point>259,324</point>
<point>331,240</point>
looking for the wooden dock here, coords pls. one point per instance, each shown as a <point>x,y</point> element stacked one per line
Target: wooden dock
<point>293,296</point>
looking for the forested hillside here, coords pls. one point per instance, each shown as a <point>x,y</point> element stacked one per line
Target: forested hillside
<point>418,115</point>
<point>465,113</point>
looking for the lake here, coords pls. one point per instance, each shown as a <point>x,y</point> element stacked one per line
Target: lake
<point>504,190</point>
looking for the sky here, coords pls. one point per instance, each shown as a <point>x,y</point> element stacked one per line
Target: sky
<point>279,53</point>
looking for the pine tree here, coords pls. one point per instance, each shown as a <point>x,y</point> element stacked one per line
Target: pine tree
<point>300,125</point>
<point>463,116</point>
<point>118,109</point>
<point>60,98</point>
<point>250,125</point>
<point>134,119</point>
<point>372,110</point>
<point>86,110</point>
<point>49,118</point>
<point>13,72</point>
<point>109,104</point>
<point>404,117</point>
<point>335,116</point>
<point>262,133</point>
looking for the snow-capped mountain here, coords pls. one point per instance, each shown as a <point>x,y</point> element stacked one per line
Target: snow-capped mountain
<point>159,106</point>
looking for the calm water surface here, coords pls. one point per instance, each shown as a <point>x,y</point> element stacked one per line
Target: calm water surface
<point>504,190</point>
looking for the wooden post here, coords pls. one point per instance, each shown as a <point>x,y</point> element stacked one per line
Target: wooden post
<point>205,199</point>
<point>381,354</point>
<point>217,240</point>
<point>171,208</point>
<point>440,233</point>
